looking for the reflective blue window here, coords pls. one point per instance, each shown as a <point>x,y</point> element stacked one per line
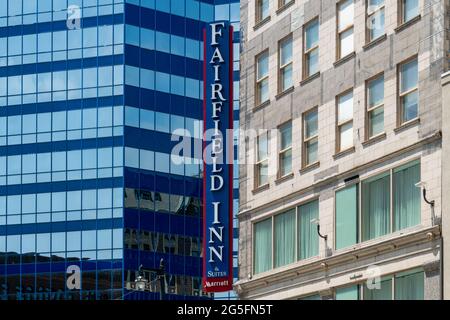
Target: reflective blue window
<point>147,39</point>
<point>74,241</point>
<point>132,117</point>
<point>163,6</point>
<point>58,241</point>
<point>147,79</point>
<point>162,41</point>
<point>132,76</point>
<point>177,85</point>
<point>192,9</point>
<point>162,122</point>
<point>147,119</point>
<point>132,35</point>
<point>88,239</point>
<point>162,82</point>
<point>42,242</point>
<point>177,45</point>
<point>58,201</point>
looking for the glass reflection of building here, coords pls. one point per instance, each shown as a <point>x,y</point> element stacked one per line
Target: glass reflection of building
<point>86,175</point>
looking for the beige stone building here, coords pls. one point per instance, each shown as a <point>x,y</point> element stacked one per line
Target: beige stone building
<point>343,189</point>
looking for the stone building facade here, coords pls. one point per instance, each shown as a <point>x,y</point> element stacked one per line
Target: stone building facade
<point>359,86</point>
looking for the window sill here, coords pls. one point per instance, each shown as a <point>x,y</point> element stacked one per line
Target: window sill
<point>259,24</point>
<point>406,24</point>
<point>407,125</point>
<point>310,167</point>
<point>342,60</point>
<point>284,178</point>
<point>285,92</point>
<point>310,78</point>
<point>379,137</point>
<point>261,188</point>
<point>285,6</point>
<point>261,105</point>
<point>374,42</point>
<point>343,153</point>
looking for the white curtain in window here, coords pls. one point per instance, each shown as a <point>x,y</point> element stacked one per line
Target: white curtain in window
<point>383,292</point>
<point>263,246</point>
<point>308,239</point>
<point>376,211</point>
<point>406,197</point>
<point>410,286</point>
<point>284,238</point>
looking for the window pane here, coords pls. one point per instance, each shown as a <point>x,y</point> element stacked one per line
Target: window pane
<point>286,52</point>
<point>345,107</point>
<point>313,62</point>
<point>409,287</point>
<point>382,293</point>
<point>346,12</point>
<point>410,106</point>
<point>263,65</point>
<point>286,163</point>
<point>286,78</point>
<point>262,146</point>
<point>376,207</point>
<point>346,45</point>
<point>346,136</point>
<point>406,197</point>
<point>286,136</point>
<point>376,121</point>
<point>376,25</point>
<point>264,90</point>
<point>312,34</point>
<point>410,9</point>
<point>347,217</point>
<point>348,293</point>
<point>409,75</point>
<point>311,151</point>
<point>284,238</point>
<point>263,246</point>
<point>311,120</point>
<point>263,173</point>
<point>376,91</point>
<point>308,240</point>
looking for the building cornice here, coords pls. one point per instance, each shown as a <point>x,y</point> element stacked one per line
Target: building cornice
<point>340,258</point>
<point>429,139</point>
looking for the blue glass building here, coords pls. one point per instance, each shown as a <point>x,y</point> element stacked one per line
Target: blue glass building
<point>87,181</point>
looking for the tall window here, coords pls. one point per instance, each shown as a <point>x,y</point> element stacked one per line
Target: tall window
<point>285,64</point>
<point>311,48</point>
<point>285,154</point>
<point>310,137</point>
<point>262,246</point>
<point>408,90</point>
<point>262,10</point>
<point>406,196</point>
<point>376,207</point>
<point>262,161</point>
<point>284,235</point>
<point>293,235</point>
<point>345,28</point>
<point>262,78</point>
<point>409,9</point>
<point>375,19</point>
<point>344,121</point>
<point>375,106</point>
<point>381,204</point>
<point>346,216</point>
<point>308,240</point>
<point>409,285</point>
